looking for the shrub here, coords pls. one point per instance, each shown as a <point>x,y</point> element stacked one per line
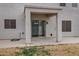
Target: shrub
<point>33,51</point>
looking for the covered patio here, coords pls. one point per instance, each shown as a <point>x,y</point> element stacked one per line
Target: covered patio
<point>42,22</point>
<point>52,41</point>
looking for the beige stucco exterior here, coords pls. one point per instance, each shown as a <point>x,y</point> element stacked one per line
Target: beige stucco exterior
<point>52,13</point>
<point>54,21</point>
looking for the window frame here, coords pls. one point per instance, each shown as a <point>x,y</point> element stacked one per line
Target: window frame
<point>67,28</point>
<point>10,24</point>
<point>74,5</point>
<point>62,4</point>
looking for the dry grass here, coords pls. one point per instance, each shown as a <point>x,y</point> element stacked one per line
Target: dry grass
<point>9,51</point>
<point>56,50</point>
<point>64,50</point>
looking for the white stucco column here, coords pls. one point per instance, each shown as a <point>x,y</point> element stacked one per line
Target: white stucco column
<point>59,27</point>
<point>28,26</point>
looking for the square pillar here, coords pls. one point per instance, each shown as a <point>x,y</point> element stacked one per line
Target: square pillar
<point>28,26</point>
<point>59,28</point>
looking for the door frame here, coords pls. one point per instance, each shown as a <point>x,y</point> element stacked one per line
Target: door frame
<point>43,29</point>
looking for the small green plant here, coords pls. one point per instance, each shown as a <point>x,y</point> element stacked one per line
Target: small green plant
<point>32,51</point>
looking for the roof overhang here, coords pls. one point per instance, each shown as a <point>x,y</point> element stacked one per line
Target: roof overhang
<point>43,7</point>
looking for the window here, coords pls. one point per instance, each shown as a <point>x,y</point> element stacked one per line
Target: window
<point>74,4</point>
<point>66,26</point>
<point>63,4</point>
<point>10,24</point>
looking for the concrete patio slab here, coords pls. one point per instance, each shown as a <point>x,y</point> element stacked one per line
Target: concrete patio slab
<point>9,43</point>
<point>38,42</point>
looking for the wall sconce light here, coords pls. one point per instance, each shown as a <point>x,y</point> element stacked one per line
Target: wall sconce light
<point>22,32</point>
<point>46,22</point>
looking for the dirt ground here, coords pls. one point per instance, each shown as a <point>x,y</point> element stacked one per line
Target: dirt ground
<point>54,50</point>
<point>64,50</point>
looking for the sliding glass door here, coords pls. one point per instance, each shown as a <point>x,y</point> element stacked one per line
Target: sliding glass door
<point>38,28</point>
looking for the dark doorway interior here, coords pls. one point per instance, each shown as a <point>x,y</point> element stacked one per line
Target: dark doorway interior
<point>38,28</point>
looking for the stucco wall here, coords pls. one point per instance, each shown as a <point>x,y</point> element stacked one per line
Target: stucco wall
<point>16,11</point>
<point>71,14</point>
<point>11,12</point>
<point>51,26</point>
